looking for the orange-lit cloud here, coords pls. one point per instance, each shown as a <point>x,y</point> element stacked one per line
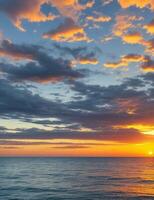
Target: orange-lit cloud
<point>67,32</point>
<point>133,58</point>
<point>148,65</point>
<point>92,61</point>
<point>133,38</point>
<point>125,61</point>
<point>149,46</point>
<point>85,61</point>
<point>150,27</point>
<point>71,8</point>
<point>31,10</point>
<point>25,10</point>
<point>47,79</point>
<point>124,22</point>
<point>137,3</point>
<point>115,65</point>
<point>143,128</point>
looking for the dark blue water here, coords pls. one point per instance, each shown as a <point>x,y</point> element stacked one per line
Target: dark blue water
<point>76,178</point>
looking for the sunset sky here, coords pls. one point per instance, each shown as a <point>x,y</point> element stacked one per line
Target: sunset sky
<point>76,77</point>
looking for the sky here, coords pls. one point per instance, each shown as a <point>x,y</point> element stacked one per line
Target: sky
<point>76,78</point>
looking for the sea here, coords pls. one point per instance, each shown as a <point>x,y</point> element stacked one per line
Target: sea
<point>76,178</point>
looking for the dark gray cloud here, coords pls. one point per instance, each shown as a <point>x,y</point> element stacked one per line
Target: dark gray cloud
<point>18,101</point>
<point>106,110</point>
<point>78,53</point>
<point>119,135</point>
<point>43,68</point>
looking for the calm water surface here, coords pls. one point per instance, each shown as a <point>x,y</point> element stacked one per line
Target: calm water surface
<point>76,178</point>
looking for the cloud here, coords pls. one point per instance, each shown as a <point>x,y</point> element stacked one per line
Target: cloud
<point>133,38</point>
<point>21,143</point>
<point>133,108</point>
<point>124,22</point>
<point>107,38</point>
<point>129,105</point>
<point>148,65</point>
<point>115,135</point>
<point>81,55</point>
<point>51,144</point>
<point>133,58</point>
<point>125,28</point>
<point>18,11</point>
<point>2,128</point>
<point>42,68</point>
<point>86,60</point>
<point>148,77</point>
<point>68,31</point>
<point>17,52</point>
<point>137,3</point>
<point>108,112</point>
<point>18,102</point>
<point>68,145</point>
<point>99,19</point>
<point>106,2</point>
<point>116,65</point>
<point>29,52</point>
<point>54,71</point>
<point>71,8</point>
<point>150,27</point>
<point>72,147</point>
<point>149,46</point>
<point>126,60</point>
<point>1,36</point>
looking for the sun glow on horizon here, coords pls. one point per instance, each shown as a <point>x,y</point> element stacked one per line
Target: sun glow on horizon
<point>150,153</point>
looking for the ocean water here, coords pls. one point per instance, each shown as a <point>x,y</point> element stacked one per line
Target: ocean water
<point>76,178</point>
